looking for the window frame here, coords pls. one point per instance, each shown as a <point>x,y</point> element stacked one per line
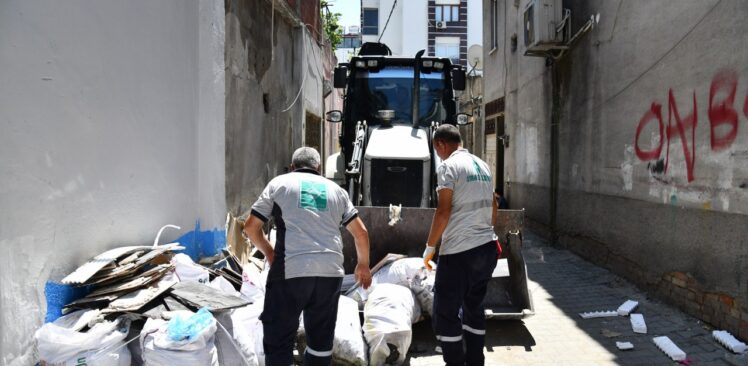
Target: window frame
<point>453,10</point>
<point>365,27</point>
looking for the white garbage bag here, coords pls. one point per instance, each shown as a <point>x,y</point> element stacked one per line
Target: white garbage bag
<point>348,347</point>
<point>400,272</point>
<point>160,348</point>
<point>388,315</point>
<point>248,332</point>
<point>223,285</point>
<point>102,344</point>
<point>187,270</point>
<point>423,288</point>
<point>253,285</point>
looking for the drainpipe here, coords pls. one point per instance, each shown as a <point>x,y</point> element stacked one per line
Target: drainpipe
<point>555,120</point>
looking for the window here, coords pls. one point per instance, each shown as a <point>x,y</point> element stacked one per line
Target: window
<point>350,42</point>
<point>447,13</point>
<point>494,24</point>
<point>371,22</point>
<point>448,47</point>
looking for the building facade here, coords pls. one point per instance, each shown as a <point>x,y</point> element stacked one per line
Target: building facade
<point>444,28</point>
<point>631,148</point>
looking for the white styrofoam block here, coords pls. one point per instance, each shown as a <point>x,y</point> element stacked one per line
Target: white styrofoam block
<point>638,324</point>
<point>627,307</point>
<point>729,341</point>
<point>598,314</point>
<point>624,346</point>
<point>666,345</point>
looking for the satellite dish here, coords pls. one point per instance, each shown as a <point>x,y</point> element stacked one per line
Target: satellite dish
<point>475,56</point>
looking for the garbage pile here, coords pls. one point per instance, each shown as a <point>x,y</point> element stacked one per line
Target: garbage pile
<point>152,306</point>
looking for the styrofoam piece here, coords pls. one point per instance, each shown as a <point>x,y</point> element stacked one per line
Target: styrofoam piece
<point>666,345</point>
<point>627,307</point>
<point>729,341</point>
<point>598,314</point>
<point>624,346</point>
<point>638,324</point>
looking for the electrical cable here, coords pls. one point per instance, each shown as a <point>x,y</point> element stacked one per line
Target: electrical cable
<point>388,21</point>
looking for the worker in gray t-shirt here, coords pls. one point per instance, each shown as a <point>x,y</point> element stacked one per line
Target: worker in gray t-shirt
<point>464,219</point>
<point>306,265</point>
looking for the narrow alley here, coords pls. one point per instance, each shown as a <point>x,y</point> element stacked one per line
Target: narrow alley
<point>373,182</point>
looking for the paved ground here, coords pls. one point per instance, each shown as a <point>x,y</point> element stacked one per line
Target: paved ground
<point>564,285</point>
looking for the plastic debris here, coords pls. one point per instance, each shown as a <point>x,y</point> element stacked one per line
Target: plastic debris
<point>188,327</point>
<point>638,324</point>
<point>598,314</point>
<point>729,341</point>
<point>627,307</point>
<point>671,350</point>
<point>624,346</point>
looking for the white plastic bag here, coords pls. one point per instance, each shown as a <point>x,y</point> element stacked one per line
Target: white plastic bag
<point>253,285</point>
<point>248,332</point>
<point>103,344</point>
<point>388,315</point>
<point>423,289</point>
<point>160,349</point>
<point>400,272</point>
<point>223,285</point>
<point>348,346</point>
<point>187,270</point>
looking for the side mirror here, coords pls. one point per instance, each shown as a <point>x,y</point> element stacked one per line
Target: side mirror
<point>463,119</point>
<point>334,116</point>
<point>340,77</point>
<point>458,78</point>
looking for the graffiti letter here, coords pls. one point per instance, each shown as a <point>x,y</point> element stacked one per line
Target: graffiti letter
<point>655,111</point>
<point>680,128</point>
<point>722,112</point>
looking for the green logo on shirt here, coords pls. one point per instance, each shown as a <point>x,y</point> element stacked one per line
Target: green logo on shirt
<point>479,175</point>
<point>313,196</point>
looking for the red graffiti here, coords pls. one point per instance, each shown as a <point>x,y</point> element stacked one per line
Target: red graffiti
<point>680,127</point>
<point>723,124</point>
<point>721,112</point>
<point>654,112</point>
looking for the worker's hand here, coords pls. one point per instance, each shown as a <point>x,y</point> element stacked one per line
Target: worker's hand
<point>428,255</point>
<point>363,275</point>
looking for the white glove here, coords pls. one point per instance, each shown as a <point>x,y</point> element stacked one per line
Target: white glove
<point>428,255</point>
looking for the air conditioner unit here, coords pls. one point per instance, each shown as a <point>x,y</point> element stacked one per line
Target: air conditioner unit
<point>441,25</point>
<point>541,17</point>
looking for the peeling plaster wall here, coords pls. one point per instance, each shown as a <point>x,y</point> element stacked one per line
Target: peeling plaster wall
<point>111,114</point>
<point>653,136</point>
<point>265,72</point>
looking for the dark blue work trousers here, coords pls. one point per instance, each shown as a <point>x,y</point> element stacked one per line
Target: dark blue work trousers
<point>461,283</point>
<point>285,299</point>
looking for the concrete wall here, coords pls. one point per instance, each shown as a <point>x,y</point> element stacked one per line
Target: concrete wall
<point>653,145</point>
<point>110,113</point>
<point>273,79</point>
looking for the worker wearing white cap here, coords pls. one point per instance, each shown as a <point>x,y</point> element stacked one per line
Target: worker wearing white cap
<point>464,221</point>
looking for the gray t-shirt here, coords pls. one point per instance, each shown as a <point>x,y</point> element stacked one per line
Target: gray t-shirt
<point>472,202</point>
<point>308,210</point>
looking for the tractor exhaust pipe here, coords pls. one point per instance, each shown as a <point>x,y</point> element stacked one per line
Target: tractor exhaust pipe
<point>417,88</point>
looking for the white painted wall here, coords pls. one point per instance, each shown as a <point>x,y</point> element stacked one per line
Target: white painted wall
<point>415,27</point>
<point>475,22</point>
<point>395,32</point>
<point>112,120</point>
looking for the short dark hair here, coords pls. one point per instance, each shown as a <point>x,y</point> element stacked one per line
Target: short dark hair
<point>448,133</point>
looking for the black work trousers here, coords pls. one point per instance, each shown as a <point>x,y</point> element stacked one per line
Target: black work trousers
<point>461,284</point>
<point>285,300</point>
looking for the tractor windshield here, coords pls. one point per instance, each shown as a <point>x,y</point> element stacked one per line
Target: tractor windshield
<point>392,88</point>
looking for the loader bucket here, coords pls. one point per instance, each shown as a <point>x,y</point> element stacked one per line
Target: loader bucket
<point>508,296</point>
